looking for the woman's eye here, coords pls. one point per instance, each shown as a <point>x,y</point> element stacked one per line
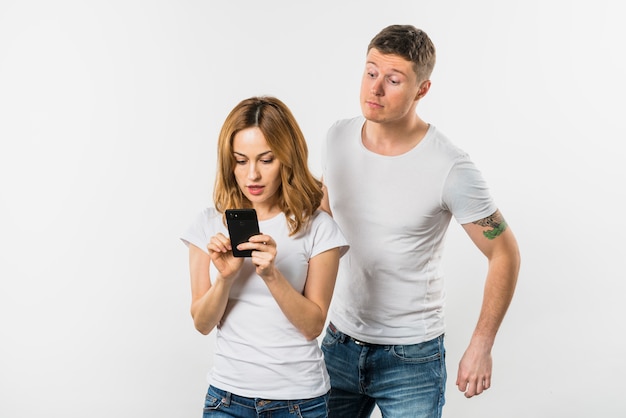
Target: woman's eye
<point>240,162</point>
<point>267,161</point>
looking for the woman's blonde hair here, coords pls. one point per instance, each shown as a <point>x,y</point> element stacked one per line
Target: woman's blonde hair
<point>300,193</point>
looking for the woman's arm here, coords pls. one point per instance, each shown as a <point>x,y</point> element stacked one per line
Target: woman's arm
<point>306,311</point>
<point>208,302</point>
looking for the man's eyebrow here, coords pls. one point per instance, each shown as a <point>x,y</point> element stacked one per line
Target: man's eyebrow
<point>392,69</point>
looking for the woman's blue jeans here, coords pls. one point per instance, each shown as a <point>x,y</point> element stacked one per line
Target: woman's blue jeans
<point>222,404</point>
<point>402,380</point>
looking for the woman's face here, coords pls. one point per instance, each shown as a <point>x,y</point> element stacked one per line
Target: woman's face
<point>257,171</point>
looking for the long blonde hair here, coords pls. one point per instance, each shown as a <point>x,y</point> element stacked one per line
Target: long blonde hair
<point>300,193</point>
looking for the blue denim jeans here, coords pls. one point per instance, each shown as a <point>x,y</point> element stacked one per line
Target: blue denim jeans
<point>221,404</point>
<point>402,380</point>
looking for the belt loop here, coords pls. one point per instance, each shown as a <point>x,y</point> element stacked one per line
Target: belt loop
<point>342,337</point>
<point>227,398</point>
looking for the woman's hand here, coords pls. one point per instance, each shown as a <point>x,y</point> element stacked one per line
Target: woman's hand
<point>221,253</point>
<point>263,254</point>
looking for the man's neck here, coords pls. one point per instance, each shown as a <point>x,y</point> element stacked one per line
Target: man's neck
<point>393,138</point>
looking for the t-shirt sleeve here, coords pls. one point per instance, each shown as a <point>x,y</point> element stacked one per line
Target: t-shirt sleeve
<point>327,235</point>
<point>466,194</point>
<point>198,232</point>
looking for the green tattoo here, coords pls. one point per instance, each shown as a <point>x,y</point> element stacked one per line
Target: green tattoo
<point>495,232</point>
<point>497,224</point>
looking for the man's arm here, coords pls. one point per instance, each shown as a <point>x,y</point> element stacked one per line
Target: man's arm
<point>325,205</point>
<point>493,237</point>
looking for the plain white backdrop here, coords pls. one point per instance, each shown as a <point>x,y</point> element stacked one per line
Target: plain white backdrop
<point>109,113</point>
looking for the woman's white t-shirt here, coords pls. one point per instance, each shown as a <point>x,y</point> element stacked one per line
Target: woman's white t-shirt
<point>259,353</point>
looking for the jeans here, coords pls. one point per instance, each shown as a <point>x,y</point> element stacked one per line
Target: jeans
<point>402,380</point>
<point>221,404</point>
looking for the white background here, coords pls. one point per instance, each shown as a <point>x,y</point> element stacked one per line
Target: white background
<point>109,113</point>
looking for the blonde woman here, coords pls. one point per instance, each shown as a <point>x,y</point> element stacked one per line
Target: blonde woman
<point>269,308</point>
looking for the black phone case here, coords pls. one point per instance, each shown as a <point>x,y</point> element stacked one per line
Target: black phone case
<point>242,224</point>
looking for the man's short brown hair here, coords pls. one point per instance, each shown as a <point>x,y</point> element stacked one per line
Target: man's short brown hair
<point>411,44</point>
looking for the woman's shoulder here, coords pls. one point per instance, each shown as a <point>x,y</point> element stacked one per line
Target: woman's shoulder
<point>322,219</point>
<point>211,212</point>
<point>208,213</point>
<point>209,216</point>
<point>327,231</point>
<point>321,216</point>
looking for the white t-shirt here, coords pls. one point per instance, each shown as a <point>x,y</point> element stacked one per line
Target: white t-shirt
<point>394,212</point>
<point>259,353</point>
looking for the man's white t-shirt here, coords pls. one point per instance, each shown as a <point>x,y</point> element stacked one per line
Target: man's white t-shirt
<point>394,211</point>
<point>259,353</point>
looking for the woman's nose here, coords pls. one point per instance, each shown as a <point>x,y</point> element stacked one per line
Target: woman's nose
<point>253,172</point>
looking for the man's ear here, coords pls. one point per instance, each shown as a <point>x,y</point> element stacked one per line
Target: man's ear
<point>424,87</point>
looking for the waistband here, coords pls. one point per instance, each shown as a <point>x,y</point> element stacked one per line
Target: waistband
<point>354,340</point>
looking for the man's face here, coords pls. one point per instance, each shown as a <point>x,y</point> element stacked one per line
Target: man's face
<point>389,88</point>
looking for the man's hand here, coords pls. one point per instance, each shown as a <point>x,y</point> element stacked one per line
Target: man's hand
<point>475,370</point>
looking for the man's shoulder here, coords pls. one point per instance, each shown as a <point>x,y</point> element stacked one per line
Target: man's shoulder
<point>348,123</point>
<point>442,144</point>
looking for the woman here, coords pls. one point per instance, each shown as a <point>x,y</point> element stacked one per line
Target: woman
<point>269,308</point>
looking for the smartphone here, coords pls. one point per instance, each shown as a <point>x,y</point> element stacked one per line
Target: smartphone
<point>242,224</point>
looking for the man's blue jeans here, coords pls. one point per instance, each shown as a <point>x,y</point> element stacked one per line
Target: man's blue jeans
<point>403,380</point>
<point>222,404</point>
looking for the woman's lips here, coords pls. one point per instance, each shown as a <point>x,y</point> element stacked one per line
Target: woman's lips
<point>255,190</point>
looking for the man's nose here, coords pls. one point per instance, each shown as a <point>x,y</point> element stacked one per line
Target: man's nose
<point>377,87</point>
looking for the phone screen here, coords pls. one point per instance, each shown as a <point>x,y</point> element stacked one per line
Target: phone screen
<point>242,224</point>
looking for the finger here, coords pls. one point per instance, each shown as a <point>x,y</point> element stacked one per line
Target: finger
<point>219,244</point>
<point>261,239</point>
<point>462,386</point>
<point>224,240</point>
<point>470,390</point>
<point>213,247</point>
<point>262,247</point>
<point>466,385</point>
<point>486,383</point>
<point>474,388</point>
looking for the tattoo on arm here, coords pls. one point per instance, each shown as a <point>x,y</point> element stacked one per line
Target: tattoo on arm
<point>496,222</point>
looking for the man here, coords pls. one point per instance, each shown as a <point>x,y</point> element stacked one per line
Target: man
<point>393,182</point>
